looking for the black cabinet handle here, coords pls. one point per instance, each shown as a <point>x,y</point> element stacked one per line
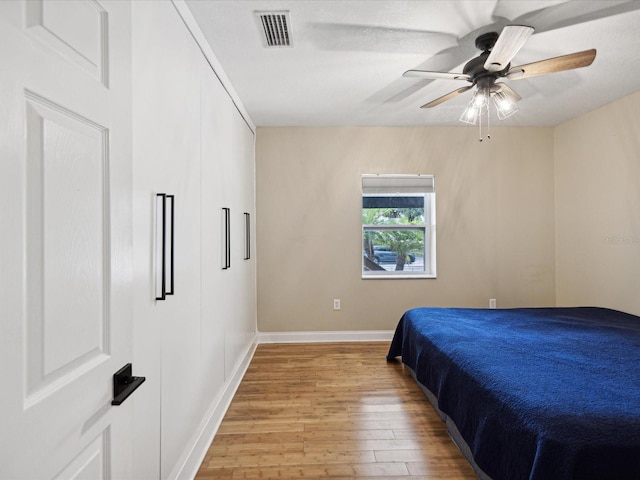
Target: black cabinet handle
<point>226,264</point>
<point>124,384</point>
<point>166,239</point>
<point>170,291</point>
<point>247,236</point>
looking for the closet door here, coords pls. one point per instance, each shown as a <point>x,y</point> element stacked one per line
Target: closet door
<point>180,316</point>
<point>65,242</point>
<point>241,324</point>
<point>167,161</point>
<point>217,306</point>
<point>191,143</point>
<point>228,268</point>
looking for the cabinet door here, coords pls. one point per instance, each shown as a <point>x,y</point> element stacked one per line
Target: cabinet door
<point>241,326</point>
<point>167,160</point>
<point>182,409</point>
<point>65,245</point>
<point>217,306</point>
<point>229,316</point>
<point>188,142</point>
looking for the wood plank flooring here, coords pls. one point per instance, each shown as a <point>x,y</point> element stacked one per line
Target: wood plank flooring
<point>331,411</point>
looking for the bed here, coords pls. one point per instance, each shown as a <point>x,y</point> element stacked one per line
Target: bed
<point>532,393</point>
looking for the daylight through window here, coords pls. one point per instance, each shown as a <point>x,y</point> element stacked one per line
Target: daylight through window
<point>398,226</point>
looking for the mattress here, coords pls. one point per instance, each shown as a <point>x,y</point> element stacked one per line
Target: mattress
<point>547,393</point>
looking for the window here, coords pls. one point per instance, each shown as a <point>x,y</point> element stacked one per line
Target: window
<point>398,226</point>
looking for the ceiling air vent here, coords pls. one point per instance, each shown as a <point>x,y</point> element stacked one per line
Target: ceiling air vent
<point>275,28</point>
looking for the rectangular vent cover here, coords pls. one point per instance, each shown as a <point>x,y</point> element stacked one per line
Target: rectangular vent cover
<point>275,28</point>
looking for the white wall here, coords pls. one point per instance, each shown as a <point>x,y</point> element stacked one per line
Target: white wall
<point>494,222</point>
<point>597,158</point>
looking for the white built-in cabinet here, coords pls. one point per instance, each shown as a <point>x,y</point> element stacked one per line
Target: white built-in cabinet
<point>190,141</point>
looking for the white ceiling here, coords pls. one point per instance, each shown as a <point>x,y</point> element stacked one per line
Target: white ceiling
<point>347,57</point>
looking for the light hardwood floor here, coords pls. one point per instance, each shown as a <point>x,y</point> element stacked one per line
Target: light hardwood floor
<point>331,411</point>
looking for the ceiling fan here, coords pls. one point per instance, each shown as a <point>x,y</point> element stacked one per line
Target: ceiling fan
<point>494,64</point>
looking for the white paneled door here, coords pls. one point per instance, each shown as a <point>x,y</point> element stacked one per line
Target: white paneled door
<point>65,238</point>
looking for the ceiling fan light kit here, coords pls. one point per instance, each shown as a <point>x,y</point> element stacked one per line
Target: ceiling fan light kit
<point>470,114</point>
<point>494,63</point>
<point>504,105</point>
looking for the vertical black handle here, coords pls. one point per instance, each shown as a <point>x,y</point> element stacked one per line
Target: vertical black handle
<point>247,236</point>
<point>171,246</point>
<point>227,239</point>
<point>163,247</point>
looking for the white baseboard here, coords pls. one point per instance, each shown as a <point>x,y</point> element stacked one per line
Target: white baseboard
<point>213,418</point>
<point>324,337</point>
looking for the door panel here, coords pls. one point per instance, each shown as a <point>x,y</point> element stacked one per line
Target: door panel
<point>92,462</point>
<point>76,30</point>
<point>65,243</point>
<point>66,199</point>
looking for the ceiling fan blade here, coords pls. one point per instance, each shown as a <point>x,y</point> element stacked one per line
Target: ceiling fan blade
<point>510,41</point>
<point>552,65</point>
<point>563,13</point>
<point>436,75</point>
<point>446,97</point>
<point>508,91</point>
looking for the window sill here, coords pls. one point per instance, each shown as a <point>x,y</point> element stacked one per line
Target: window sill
<point>389,276</point>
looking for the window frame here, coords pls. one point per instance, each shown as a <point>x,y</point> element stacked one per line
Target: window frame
<point>411,189</point>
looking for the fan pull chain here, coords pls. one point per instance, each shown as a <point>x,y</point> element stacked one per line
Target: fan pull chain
<point>480,124</point>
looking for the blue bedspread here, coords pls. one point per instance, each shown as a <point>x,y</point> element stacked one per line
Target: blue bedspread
<point>541,393</point>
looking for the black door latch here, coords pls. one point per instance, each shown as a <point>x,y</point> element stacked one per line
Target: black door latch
<point>124,384</point>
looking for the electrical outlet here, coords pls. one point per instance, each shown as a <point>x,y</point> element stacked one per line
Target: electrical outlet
<point>492,303</point>
<point>336,304</point>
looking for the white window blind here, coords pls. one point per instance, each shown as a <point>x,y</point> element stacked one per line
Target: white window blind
<point>401,184</point>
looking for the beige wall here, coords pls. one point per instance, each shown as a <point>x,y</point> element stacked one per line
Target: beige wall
<point>598,207</point>
<point>495,225</point>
